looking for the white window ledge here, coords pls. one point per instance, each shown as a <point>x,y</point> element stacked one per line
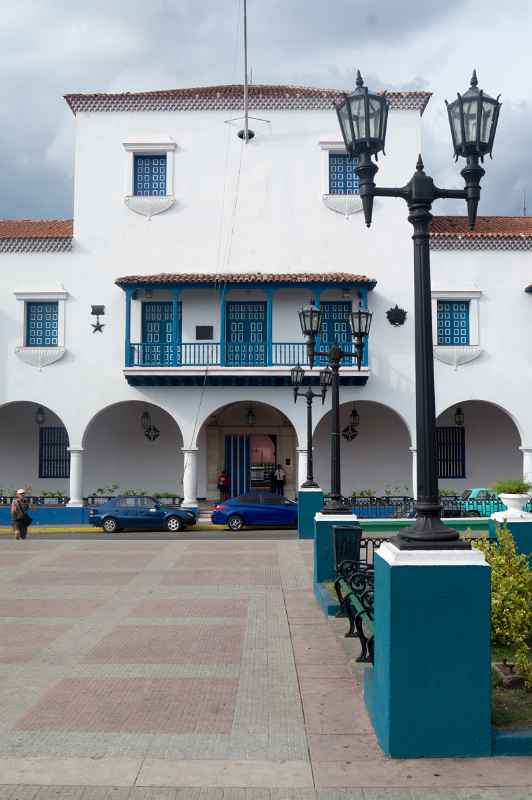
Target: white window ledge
<point>149,205</point>
<point>40,356</point>
<point>456,356</point>
<point>345,204</point>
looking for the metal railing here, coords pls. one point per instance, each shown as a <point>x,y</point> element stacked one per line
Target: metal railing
<point>209,354</point>
<point>397,507</point>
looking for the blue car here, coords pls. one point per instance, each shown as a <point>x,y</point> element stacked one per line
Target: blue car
<point>140,513</point>
<point>262,508</point>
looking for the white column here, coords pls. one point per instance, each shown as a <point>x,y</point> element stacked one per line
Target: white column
<point>527,463</point>
<point>301,465</point>
<point>413,450</point>
<point>190,476</point>
<point>76,476</point>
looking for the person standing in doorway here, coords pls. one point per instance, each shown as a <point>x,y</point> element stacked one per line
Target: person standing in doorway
<point>223,485</point>
<point>279,477</point>
<point>19,514</point>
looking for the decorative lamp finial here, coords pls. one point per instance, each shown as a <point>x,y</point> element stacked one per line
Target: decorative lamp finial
<point>359,80</point>
<point>474,79</point>
<point>420,165</point>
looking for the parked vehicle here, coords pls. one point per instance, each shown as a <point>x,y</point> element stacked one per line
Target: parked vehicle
<point>138,512</point>
<point>262,508</point>
<point>479,502</point>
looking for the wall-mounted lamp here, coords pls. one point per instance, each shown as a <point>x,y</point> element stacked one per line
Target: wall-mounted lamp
<point>350,432</point>
<point>145,420</point>
<point>251,418</point>
<point>40,417</point>
<point>396,316</point>
<point>459,417</point>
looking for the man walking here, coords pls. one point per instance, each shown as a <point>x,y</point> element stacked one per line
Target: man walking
<point>279,476</point>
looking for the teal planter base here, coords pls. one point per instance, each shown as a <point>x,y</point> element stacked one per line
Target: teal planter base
<point>309,501</point>
<point>429,692</point>
<point>324,566</point>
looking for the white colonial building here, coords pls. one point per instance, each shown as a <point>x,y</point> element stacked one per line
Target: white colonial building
<point>198,249</point>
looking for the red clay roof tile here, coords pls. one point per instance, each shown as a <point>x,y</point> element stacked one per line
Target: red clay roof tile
<point>166,278</point>
<point>486,226</point>
<point>36,228</point>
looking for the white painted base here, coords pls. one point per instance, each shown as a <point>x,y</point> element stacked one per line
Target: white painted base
<point>514,511</point>
<point>431,558</point>
<point>320,517</point>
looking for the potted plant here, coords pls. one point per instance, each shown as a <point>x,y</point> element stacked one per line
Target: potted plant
<point>514,493</point>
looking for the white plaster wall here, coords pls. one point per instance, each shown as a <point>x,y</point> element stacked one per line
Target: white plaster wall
<point>19,450</point>
<point>117,452</point>
<point>492,446</point>
<point>379,458</point>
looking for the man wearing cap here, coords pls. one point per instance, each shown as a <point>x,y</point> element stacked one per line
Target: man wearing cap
<point>19,514</point>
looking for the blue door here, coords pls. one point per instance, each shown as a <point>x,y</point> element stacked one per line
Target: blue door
<point>335,326</point>
<point>157,333</point>
<point>237,463</point>
<point>246,334</point>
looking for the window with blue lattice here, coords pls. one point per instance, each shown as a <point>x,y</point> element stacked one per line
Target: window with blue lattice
<point>342,176</point>
<point>42,324</point>
<point>453,322</point>
<point>149,174</point>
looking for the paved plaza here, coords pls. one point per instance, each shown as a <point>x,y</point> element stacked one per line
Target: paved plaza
<point>152,670</point>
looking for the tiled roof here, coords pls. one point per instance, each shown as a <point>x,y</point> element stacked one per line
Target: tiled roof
<point>165,278</point>
<point>485,226</point>
<point>230,98</point>
<point>35,228</point>
<point>35,235</point>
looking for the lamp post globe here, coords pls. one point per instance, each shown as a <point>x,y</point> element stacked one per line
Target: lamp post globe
<point>473,118</point>
<point>363,118</point>
<point>296,376</point>
<point>310,320</point>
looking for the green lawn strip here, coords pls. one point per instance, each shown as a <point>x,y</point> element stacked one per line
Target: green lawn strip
<point>511,708</point>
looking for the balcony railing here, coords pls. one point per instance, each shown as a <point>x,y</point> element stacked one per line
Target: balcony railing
<point>209,354</point>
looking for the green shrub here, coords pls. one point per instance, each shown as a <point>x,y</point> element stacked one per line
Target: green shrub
<point>512,486</point>
<point>511,599</point>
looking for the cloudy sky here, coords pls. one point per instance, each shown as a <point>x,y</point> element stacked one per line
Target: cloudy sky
<point>51,47</point>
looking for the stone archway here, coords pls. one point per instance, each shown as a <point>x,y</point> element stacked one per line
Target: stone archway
<point>117,452</point>
<point>257,433</point>
<point>378,459</point>
<point>34,449</point>
<point>491,442</point>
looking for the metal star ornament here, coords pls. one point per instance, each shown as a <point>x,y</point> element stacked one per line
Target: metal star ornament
<point>97,327</point>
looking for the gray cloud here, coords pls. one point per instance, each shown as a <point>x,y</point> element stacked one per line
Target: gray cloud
<point>53,47</point>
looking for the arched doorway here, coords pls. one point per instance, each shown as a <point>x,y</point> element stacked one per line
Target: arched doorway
<point>377,460</point>
<point>247,439</point>
<point>133,445</point>
<point>34,449</point>
<point>481,450</point>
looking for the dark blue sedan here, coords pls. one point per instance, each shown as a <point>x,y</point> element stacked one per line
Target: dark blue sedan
<point>261,508</point>
<point>140,513</point>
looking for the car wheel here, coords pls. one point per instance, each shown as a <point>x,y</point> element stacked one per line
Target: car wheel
<point>473,513</point>
<point>174,525</point>
<point>110,525</point>
<point>235,523</point>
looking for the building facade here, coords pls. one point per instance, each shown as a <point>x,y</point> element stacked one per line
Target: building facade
<point>148,343</point>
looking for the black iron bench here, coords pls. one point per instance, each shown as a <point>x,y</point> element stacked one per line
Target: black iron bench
<point>354,587</point>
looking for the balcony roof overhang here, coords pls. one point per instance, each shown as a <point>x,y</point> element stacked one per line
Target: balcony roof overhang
<point>216,280</point>
<point>232,376</point>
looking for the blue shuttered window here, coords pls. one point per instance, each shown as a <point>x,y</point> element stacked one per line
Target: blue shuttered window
<point>246,334</point>
<point>149,175</point>
<point>42,324</point>
<point>342,176</point>
<point>453,322</point>
<point>450,442</point>
<point>157,333</point>
<point>335,327</point>
<point>54,458</point>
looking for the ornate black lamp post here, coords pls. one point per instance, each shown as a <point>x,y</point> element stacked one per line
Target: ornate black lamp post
<point>310,321</point>
<point>296,376</point>
<point>473,120</point>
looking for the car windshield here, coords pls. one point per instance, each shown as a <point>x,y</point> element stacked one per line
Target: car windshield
<point>466,494</point>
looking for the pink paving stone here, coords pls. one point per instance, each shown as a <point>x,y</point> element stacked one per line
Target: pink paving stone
<point>228,560</point>
<point>12,559</point>
<point>323,671</point>
<point>302,605</point>
<point>26,607</point>
<point>136,705</point>
<point>318,646</point>
<point>216,577</point>
<point>170,644</point>
<point>105,560</point>
<point>343,747</point>
<point>333,707</point>
<point>20,643</point>
<point>75,578</point>
<point>191,608</point>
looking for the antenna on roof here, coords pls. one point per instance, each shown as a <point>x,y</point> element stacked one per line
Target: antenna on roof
<point>524,203</point>
<point>246,134</point>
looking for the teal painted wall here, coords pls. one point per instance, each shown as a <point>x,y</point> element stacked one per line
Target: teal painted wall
<point>429,693</point>
<point>309,503</point>
<point>324,566</point>
<point>522,536</point>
